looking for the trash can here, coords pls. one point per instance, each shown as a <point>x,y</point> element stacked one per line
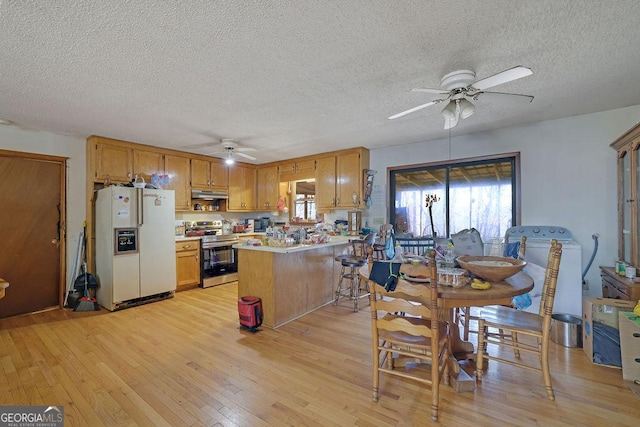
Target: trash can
<point>566,330</point>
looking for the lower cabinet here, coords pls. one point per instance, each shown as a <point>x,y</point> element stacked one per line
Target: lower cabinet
<point>618,287</point>
<point>187,264</point>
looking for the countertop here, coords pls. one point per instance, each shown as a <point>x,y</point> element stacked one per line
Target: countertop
<point>335,241</point>
<point>238,235</point>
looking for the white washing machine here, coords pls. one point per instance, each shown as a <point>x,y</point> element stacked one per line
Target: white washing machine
<point>568,299</point>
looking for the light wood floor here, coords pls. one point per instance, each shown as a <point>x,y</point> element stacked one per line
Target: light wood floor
<point>184,361</point>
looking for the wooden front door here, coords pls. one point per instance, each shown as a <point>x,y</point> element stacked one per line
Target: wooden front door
<point>31,225</point>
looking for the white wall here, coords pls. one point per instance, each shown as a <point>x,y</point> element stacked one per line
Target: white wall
<point>568,174</point>
<point>15,139</point>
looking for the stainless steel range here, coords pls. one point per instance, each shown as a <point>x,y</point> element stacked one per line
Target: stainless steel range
<point>218,260</point>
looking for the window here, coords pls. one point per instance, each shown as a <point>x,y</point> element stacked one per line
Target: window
<point>305,206</point>
<point>480,193</point>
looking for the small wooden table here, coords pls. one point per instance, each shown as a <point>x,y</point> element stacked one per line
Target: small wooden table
<point>3,285</point>
<point>500,293</point>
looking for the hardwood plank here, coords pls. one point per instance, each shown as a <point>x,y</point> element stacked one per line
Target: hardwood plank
<point>184,361</point>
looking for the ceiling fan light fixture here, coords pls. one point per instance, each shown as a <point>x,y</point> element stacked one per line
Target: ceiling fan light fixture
<point>449,111</point>
<point>466,108</point>
<point>229,160</point>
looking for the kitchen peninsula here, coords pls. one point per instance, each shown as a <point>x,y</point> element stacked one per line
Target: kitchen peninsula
<point>291,281</point>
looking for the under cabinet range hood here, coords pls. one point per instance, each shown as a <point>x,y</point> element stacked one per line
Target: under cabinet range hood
<point>209,194</point>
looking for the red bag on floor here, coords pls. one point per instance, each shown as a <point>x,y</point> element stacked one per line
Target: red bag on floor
<point>250,311</point>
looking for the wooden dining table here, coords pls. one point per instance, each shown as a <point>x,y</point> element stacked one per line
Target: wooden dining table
<point>500,293</point>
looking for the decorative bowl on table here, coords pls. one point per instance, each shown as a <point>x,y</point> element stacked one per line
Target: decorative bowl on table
<point>491,268</point>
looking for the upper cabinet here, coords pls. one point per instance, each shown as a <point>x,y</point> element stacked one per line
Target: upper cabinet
<point>112,160</point>
<point>147,163</point>
<point>628,148</point>
<point>326,183</point>
<point>178,167</point>
<point>242,188</point>
<point>297,169</point>
<point>267,187</point>
<point>209,175</point>
<point>339,180</point>
<point>338,175</point>
<point>119,161</point>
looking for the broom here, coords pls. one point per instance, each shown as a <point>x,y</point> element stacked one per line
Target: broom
<point>87,302</point>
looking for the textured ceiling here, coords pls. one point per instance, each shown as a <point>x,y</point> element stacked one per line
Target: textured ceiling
<point>300,77</point>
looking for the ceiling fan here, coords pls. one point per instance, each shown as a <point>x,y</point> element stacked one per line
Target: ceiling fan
<point>230,148</point>
<point>459,88</point>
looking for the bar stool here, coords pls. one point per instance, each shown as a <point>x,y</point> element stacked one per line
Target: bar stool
<point>350,286</point>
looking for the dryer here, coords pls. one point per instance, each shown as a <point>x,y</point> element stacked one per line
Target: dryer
<point>568,299</point>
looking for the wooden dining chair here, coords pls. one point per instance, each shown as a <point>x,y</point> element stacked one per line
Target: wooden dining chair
<point>465,315</point>
<point>415,245</point>
<point>404,322</point>
<point>514,323</point>
<point>385,234</point>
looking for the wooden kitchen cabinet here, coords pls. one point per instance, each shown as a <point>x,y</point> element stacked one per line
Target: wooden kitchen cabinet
<point>339,179</point>
<point>113,160</point>
<point>147,163</point>
<point>297,169</point>
<point>628,146</point>
<point>267,193</point>
<point>618,287</point>
<point>242,188</point>
<point>326,183</point>
<point>209,175</point>
<point>349,171</point>
<point>179,168</point>
<point>120,162</point>
<point>187,264</point>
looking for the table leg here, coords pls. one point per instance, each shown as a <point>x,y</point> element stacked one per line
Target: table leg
<point>460,351</point>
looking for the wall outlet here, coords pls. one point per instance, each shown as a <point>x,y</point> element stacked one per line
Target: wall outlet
<point>585,285</point>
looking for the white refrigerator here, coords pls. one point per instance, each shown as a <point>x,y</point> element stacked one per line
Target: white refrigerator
<point>135,245</point>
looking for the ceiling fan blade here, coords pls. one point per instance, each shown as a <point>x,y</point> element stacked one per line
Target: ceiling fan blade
<point>427,90</point>
<point>419,107</point>
<point>244,149</point>
<point>246,156</point>
<point>502,77</point>
<point>501,95</point>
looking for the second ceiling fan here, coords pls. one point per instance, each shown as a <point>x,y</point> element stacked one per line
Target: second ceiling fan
<point>229,148</point>
<point>459,88</point>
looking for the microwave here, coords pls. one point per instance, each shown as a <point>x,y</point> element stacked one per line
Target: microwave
<point>260,224</point>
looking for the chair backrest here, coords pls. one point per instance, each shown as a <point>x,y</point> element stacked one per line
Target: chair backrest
<point>415,245</point>
<point>360,246</point>
<point>385,233</point>
<point>515,249</point>
<point>394,311</point>
<point>522,250</point>
<point>550,280</point>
